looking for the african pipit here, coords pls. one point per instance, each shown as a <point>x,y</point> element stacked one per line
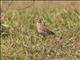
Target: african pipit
<point>42,29</point>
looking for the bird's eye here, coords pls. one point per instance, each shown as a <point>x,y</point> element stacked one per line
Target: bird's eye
<point>40,21</point>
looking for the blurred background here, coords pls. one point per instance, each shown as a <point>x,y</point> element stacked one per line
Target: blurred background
<point>20,40</point>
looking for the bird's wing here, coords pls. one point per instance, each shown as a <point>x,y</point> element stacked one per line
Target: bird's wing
<point>45,29</point>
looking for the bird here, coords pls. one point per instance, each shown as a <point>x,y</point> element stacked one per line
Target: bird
<point>42,28</point>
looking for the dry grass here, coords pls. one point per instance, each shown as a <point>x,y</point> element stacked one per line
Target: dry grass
<point>20,41</point>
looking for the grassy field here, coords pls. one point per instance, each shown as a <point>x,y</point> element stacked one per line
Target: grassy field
<point>20,40</point>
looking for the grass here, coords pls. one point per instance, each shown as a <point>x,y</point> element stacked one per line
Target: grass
<point>20,41</point>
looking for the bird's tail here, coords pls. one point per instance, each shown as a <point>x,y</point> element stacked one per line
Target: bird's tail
<point>52,33</point>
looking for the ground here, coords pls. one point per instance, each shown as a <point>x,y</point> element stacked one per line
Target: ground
<point>20,40</point>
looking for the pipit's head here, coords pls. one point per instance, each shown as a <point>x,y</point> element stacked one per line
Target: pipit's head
<point>39,20</point>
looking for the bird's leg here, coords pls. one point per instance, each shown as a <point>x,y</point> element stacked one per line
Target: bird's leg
<point>43,37</point>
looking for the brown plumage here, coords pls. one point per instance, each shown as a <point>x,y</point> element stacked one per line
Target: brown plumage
<point>42,29</point>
